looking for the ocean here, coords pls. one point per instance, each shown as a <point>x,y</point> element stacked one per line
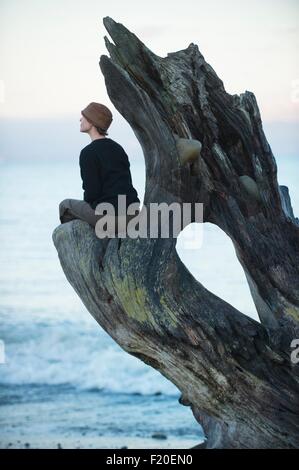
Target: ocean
<point>63,381</point>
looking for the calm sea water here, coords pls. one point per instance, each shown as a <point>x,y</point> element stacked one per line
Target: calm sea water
<point>63,376</point>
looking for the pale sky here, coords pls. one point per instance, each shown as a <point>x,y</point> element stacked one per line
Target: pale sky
<point>50,50</point>
<point>49,71</point>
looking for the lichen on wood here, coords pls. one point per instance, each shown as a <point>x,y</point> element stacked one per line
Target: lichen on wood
<point>235,373</point>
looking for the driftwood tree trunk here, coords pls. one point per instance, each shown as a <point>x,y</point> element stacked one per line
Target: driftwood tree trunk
<point>235,373</point>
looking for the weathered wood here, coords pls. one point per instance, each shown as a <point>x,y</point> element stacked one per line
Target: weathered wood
<point>235,373</point>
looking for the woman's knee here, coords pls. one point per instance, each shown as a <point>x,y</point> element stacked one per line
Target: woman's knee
<point>64,204</point>
<point>64,209</point>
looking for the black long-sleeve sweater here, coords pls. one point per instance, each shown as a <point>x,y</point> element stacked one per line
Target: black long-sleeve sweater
<point>105,173</point>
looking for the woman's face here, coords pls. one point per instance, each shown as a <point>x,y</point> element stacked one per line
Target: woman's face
<point>85,126</point>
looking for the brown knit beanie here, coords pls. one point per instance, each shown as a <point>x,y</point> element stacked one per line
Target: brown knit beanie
<point>98,115</point>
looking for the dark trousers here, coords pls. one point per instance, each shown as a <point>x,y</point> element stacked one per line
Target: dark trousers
<point>70,209</point>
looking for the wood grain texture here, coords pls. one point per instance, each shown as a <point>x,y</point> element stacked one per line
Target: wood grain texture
<point>235,373</point>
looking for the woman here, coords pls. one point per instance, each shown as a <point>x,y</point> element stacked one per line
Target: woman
<point>105,173</point>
